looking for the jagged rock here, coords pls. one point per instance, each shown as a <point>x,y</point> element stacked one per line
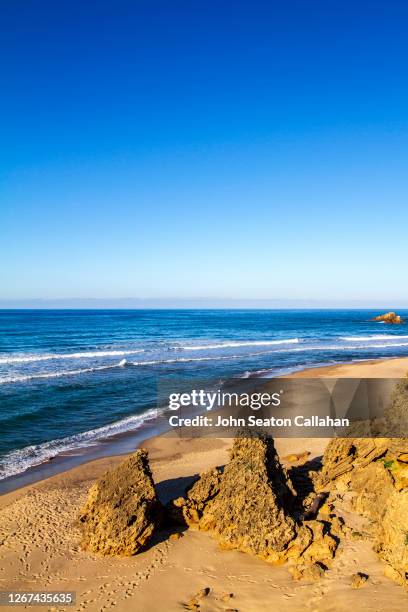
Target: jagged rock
<point>344,455</point>
<point>358,580</point>
<point>323,545</point>
<point>248,511</point>
<point>313,505</point>
<point>249,507</point>
<point>122,510</point>
<point>189,510</point>
<point>396,414</point>
<point>373,486</point>
<point>392,535</point>
<point>376,471</point>
<point>309,572</point>
<point>389,317</point>
<point>338,526</point>
<point>381,494</point>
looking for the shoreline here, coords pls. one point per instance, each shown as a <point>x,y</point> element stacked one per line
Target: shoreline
<point>40,537</point>
<point>119,446</point>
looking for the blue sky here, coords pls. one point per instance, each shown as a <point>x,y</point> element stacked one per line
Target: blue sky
<point>244,150</point>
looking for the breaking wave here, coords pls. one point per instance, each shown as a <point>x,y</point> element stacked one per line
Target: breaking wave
<point>51,356</point>
<point>203,347</point>
<point>373,337</point>
<point>18,461</point>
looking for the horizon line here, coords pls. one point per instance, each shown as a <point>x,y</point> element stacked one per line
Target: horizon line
<point>197,304</point>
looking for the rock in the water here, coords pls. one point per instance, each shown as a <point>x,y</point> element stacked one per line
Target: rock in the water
<point>122,510</point>
<point>389,317</point>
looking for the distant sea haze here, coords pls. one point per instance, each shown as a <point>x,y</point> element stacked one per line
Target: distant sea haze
<point>71,377</point>
<point>131,303</point>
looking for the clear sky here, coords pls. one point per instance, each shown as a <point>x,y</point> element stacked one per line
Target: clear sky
<point>223,149</point>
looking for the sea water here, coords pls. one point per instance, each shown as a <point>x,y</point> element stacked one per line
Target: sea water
<point>69,378</point>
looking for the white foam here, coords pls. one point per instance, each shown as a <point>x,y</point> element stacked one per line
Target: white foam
<point>19,378</point>
<point>124,362</point>
<point>338,347</point>
<point>203,347</point>
<point>25,377</point>
<point>19,461</point>
<point>50,356</point>
<point>372,337</point>
<point>386,345</point>
<point>257,373</point>
<point>191,359</point>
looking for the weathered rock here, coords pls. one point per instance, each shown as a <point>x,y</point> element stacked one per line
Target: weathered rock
<point>323,545</point>
<point>376,471</point>
<point>248,511</point>
<point>373,485</point>
<point>338,526</point>
<point>122,510</point>
<point>309,572</point>
<point>344,455</point>
<point>314,503</point>
<point>389,317</point>
<point>249,507</point>
<point>358,580</point>
<point>396,415</point>
<point>392,535</point>
<point>188,510</point>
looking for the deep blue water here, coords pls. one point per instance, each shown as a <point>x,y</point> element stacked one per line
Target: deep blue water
<point>70,377</point>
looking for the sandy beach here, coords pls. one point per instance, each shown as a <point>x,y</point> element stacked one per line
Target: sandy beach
<point>39,540</point>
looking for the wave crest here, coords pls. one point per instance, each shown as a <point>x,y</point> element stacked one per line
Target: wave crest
<point>203,347</point>
<point>18,461</point>
<point>83,355</point>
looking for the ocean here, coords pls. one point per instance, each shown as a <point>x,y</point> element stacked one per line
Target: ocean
<point>69,378</point>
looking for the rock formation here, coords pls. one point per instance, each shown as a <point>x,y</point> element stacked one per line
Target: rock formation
<point>249,507</point>
<point>396,415</point>
<point>358,580</point>
<point>122,510</point>
<point>249,510</point>
<point>389,317</point>
<point>376,471</point>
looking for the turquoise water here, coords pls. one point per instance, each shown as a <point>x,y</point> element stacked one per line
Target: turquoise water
<point>69,378</point>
